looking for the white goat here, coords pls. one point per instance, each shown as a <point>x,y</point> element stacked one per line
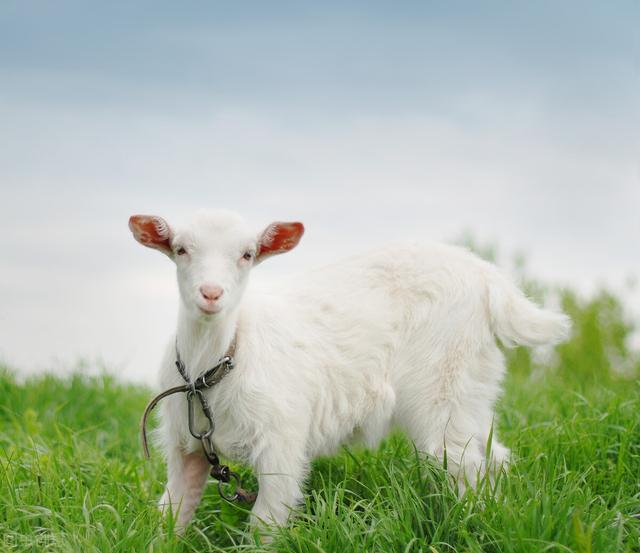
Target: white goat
<point>403,336</point>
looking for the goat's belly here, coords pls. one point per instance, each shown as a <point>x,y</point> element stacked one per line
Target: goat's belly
<point>356,413</point>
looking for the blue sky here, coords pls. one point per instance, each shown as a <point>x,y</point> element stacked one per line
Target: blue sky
<point>368,121</point>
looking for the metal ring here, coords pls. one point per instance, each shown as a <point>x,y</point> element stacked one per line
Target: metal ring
<point>235,496</point>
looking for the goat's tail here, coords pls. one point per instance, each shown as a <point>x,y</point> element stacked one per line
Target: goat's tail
<point>517,320</point>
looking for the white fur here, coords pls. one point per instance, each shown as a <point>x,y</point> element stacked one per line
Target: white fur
<point>403,337</point>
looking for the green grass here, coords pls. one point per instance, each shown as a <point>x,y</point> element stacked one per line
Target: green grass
<point>73,479</point>
<point>72,476</point>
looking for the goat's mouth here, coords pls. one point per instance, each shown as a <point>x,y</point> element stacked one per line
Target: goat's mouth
<point>209,309</point>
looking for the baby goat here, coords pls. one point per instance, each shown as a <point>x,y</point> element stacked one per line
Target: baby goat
<point>404,336</point>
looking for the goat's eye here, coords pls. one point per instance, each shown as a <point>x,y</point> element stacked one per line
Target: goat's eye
<point>181,251</point>
<point>247,256</point>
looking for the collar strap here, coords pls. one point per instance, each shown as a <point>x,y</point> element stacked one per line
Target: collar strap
<point>212,376</point>
<point>207,379</point>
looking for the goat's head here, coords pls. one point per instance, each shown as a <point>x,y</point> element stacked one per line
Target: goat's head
<point>213,255</point>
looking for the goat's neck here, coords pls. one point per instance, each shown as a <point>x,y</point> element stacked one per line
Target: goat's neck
<point>203,343</point>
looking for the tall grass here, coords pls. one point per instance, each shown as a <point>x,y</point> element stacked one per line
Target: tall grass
<point>72,477</point>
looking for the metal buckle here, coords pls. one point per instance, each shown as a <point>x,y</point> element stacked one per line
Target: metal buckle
<point>192,416</point>
<point>225,365</point>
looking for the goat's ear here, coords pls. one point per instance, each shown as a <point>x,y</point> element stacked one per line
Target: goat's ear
<point>278,238</point>
<point>152,231</point>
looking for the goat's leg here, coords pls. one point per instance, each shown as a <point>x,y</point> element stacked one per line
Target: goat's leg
<point>280,472</point>
<point>448,408</point>
<point>452,434</point>
<point>499,455</point>
<point>187,476</point>
<point>446,427</point>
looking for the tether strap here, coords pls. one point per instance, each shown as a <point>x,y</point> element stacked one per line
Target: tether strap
<point>208,379</point>
<point>150,406</point>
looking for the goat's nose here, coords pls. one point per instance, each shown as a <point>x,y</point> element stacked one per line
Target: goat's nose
<point>211,292</point>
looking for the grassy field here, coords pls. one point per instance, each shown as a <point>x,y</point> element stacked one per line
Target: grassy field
<point>72,477</point>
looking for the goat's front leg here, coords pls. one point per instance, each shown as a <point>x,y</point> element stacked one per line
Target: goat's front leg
<point>280,472</point>
<point>187,476</point>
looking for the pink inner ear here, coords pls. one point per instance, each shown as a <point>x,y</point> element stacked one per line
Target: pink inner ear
<point>151,231</point>
<point>280,238</point>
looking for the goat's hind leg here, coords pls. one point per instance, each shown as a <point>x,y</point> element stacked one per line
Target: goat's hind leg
<point>447,432</point>
<point>496,454</point>
<point>484,395</point>
<point>442,410</point>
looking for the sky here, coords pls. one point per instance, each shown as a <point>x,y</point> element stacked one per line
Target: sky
<point>517,122</point>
